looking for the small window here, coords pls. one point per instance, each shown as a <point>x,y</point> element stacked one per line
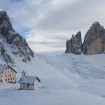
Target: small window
<point>8,79</point>
<point>5,71</point>
<point>1,75</point>
<point>1,80</point>
<point>5,79</point>
<point>28,85</point>
<point>11,71</point>
<point>11,78</point>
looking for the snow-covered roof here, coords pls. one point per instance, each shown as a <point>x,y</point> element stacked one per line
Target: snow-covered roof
<point>28,80</point>
<point>3,67</point>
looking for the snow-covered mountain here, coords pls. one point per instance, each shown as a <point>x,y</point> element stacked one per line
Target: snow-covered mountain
<point>11,43</point>
<point>65,79</point>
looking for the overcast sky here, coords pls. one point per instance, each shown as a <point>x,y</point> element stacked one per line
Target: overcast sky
<point>47,24</point>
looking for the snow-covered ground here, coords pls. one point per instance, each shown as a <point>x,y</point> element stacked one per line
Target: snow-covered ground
<point>65,80</point>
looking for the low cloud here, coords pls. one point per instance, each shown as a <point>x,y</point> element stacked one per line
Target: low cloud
<point>47,24</point>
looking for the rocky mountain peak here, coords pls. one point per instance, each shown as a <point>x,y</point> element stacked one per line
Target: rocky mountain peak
<point>74,44</point>
<point>16,43</point>
<point>5,24</point>
<point>94,41</point>
<point>96,24</point>
<point>78,36</point>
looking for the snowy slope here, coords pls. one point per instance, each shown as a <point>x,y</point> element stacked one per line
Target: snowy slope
<point>66,79</point>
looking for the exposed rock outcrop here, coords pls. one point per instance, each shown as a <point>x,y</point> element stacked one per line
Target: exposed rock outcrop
<point>94,41</point>
<point>9,36</point>
<point>74,45</point>
<point>1,48</point>
<point>8,59</point>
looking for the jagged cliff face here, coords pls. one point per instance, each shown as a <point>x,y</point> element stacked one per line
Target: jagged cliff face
<point>74,44</point>
<point>94,41</point>
<point>16,43</point>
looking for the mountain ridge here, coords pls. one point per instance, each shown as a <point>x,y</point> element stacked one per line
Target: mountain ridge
<point>94,41</point>
<point>16,43</point>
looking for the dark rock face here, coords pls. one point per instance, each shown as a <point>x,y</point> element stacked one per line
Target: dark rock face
<point>94,41</point>
<point>1,48</point>
<point>23,48</point>
<point>74,45</point>
<point>12,38</point>
<point>8,59</point>
<point>5,24</point>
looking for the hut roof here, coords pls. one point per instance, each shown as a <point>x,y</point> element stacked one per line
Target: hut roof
<point>3,67</point>
<point>28,80</point>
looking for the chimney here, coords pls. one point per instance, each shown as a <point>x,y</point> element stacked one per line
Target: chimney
<point>23,73</point>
